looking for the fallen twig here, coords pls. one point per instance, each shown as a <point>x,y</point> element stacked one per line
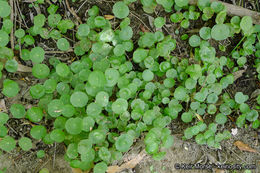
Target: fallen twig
<point>73,12</point>
<point>234,10</point>
<point>58,52</point>
<point>128,165</point>
<point>12,19</point>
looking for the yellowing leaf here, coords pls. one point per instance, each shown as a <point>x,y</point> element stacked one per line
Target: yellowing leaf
<point>199,117</point>
<point>109,17</point>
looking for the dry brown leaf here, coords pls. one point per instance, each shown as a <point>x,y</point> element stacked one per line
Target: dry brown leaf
<point>109,17</point>
<point>22,68</point>
<point>77,170</point>
<point>144,29</point>
<point>238,74</point>
<point>219,171</point>
<point>244,147</point>
<point>199,117</point>
<point>128,165</point>
<point>2,105</point>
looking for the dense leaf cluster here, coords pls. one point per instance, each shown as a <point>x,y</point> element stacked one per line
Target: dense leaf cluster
<point>101,103</point>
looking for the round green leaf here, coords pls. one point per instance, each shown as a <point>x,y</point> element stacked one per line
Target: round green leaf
<point>97,136</point>
<point>62,70</point>
<point>102,98</point>
<point>7,143</point>
<point>79,99</point>
<point>38,132</point>
<point>186,117</point>
<point>19,33</point>
<point>120,10</point>
<point>50,85</point>
<point>205,33</point>
<point>240,97</point>
<point>5,9</point>
<point>182,3</point>
<point>17,110</point>
<point>3,118</point>
<point>119,106</point>
<point>97,79</point>
<point>40,71</point>
<point>40,154</point>
<point>104,154</point>
<point>220,32</point>
<point>83,30</point>
<point>180,93</point>
<point>87,124</point>
<point>37,55</point>
<point>194,41</point>
<point>100,167</point>
<point>35,114</point>
<point>159,22</point>
<point>57,135</point>
<point>124,142</point>
<point>72,151</point>
<point>4,37</point>
<point>112,76</point>
<point>147,75</point>
<point>221,118</point>
<point>74,126</point>
<point>3,131</point>
<point>55,108</point>
<point>25,143</point>
<point>10,88</point>
<point>68,110</point>
<point>63,44</point>
<point>37,91</point>
<point>94,109</point>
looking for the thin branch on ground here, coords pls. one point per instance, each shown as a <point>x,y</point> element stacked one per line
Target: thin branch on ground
<point>58,52</point>
<point>73,12</point>
<point>234,10</point>
<point>54,156</point>
<point>21,15</point>
<point>81,6</point>
<point>136,16</point>
<point>12,19</point>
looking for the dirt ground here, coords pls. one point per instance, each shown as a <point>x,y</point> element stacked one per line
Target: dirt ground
<point>187,152</point>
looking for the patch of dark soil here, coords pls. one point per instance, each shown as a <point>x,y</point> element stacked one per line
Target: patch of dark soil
<point>27,162</point>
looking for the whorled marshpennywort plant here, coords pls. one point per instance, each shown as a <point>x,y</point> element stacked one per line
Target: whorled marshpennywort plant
<point>116,91</point>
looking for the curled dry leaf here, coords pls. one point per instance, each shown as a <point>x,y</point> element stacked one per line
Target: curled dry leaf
<point>2,105</point>
<point>22,68</point>
<point>255,94</point>
<point>199,117</point>
<point>238,74</point>
<point>109,17</point>
<point>244,147</point>
<point>77,170</point>
<point>128,165</point>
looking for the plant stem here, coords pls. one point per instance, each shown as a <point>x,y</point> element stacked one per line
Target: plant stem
<point>238,44</point>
